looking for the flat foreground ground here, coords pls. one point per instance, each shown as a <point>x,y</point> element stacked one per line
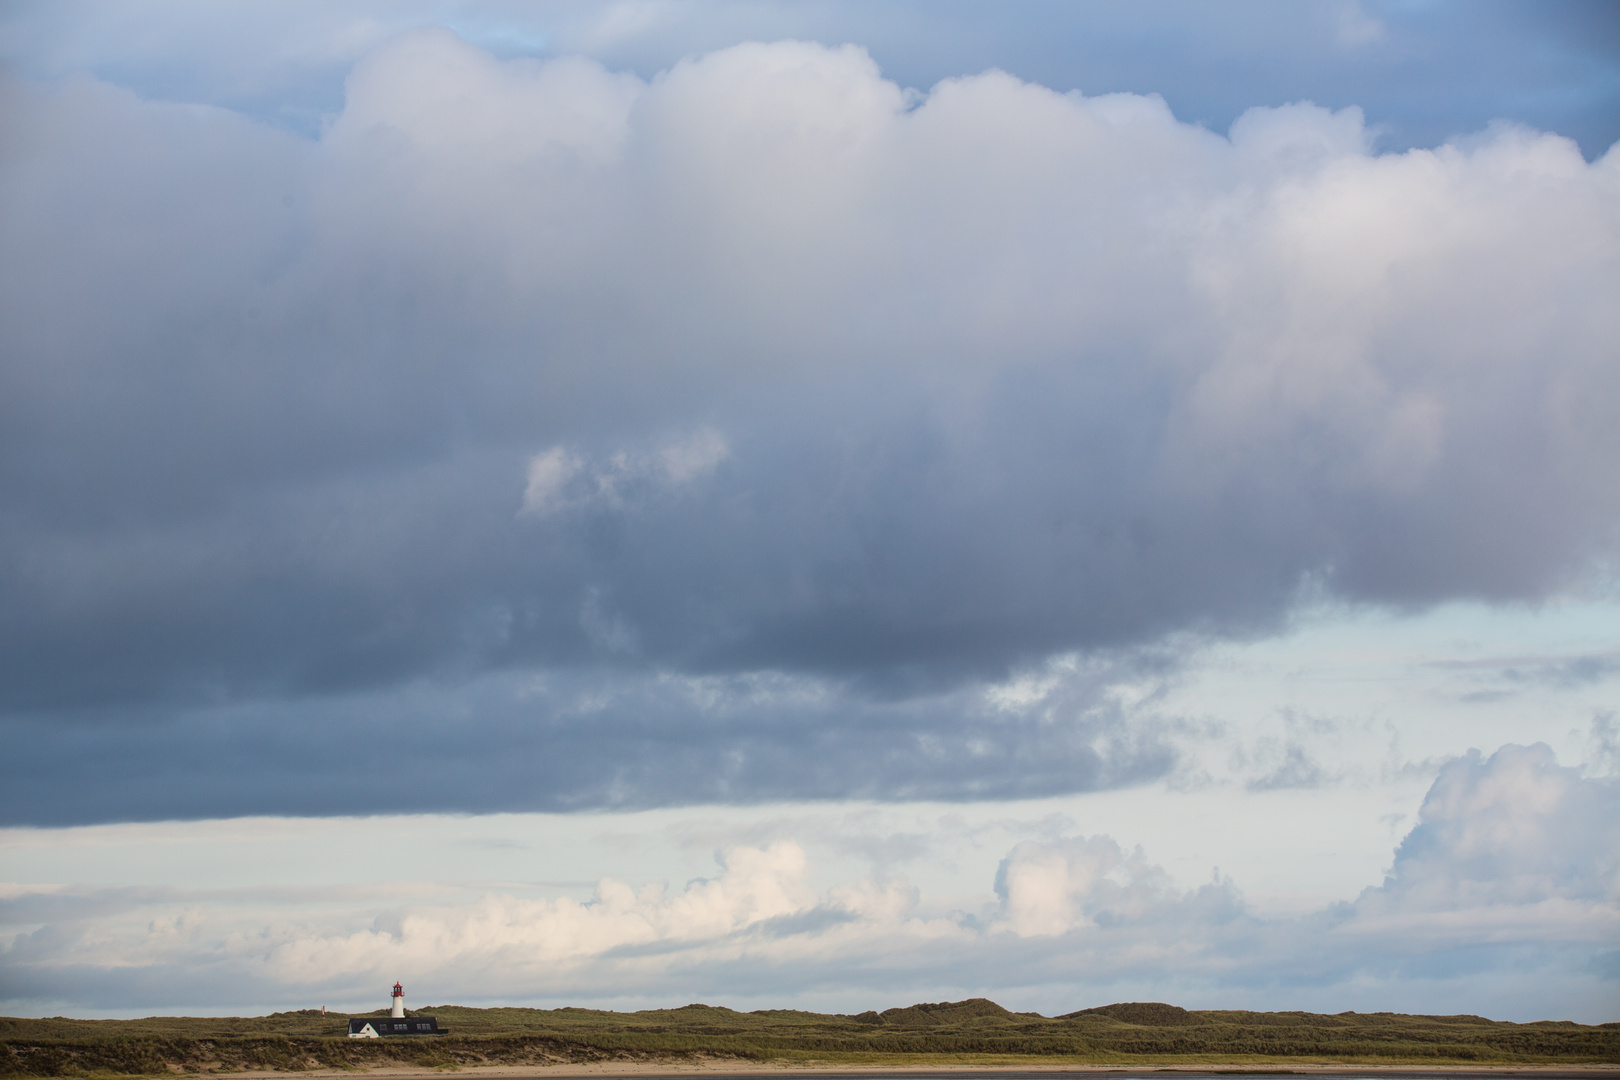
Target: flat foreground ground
<point>787,1071</point>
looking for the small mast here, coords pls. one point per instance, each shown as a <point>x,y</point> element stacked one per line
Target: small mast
<point>399,1001</point>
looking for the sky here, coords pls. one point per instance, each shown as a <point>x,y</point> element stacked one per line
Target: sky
<point>822,506</point>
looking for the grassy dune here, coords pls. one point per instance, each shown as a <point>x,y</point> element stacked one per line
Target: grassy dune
<point>964,1032</point>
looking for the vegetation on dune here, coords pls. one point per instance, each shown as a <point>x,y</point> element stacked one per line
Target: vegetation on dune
<point>974,1031</point>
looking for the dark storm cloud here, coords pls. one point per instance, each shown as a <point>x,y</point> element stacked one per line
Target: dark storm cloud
<point>761,369</point>
<point>571,741</point>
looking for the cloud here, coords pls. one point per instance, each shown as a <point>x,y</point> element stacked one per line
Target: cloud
<point>757,886</point>
<point>1509,845</point>
<point>1499,677</point>
<point>1511,852</point>
<point>689,458</point>
<point>1357,28</point>
<point>559,478</point>
<point>565,741</point>
<point>1088,883</point>
<point>548,473</point>
<point>1296,770</point>
<point>1550,65</point>
<point>759,369</point>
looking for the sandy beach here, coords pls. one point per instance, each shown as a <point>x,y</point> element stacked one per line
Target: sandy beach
<point>741,1070</point>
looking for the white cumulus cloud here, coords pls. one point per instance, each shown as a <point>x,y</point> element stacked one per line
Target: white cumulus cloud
<point>1510,850</point>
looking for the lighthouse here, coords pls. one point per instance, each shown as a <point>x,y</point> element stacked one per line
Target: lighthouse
<point>396,1024</point>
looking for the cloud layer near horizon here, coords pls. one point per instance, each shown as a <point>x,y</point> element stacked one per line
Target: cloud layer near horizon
<point>1511,873</point>
<point>762,374</point>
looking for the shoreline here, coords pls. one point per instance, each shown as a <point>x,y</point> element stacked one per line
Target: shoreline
<point>740,1070</point>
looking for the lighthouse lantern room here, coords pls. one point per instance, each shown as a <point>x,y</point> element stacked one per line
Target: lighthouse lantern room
<point>397,1023</point>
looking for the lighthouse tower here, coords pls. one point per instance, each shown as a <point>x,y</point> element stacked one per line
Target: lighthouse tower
<point>396,1024</point>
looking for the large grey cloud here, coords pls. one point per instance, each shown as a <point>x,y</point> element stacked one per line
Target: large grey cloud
<point>763,367</point>
<point>571,740</point>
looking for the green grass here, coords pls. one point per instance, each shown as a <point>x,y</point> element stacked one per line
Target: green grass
<point>966,1032</point>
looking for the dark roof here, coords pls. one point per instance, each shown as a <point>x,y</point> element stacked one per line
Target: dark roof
<point>391,1025</point>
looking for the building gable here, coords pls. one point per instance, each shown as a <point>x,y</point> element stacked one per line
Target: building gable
<point>360,1028</point>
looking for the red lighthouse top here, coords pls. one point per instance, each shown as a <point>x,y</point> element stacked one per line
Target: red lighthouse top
<point>399,991</point>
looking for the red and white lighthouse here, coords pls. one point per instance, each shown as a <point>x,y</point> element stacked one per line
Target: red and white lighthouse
<point>396,1024</point>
